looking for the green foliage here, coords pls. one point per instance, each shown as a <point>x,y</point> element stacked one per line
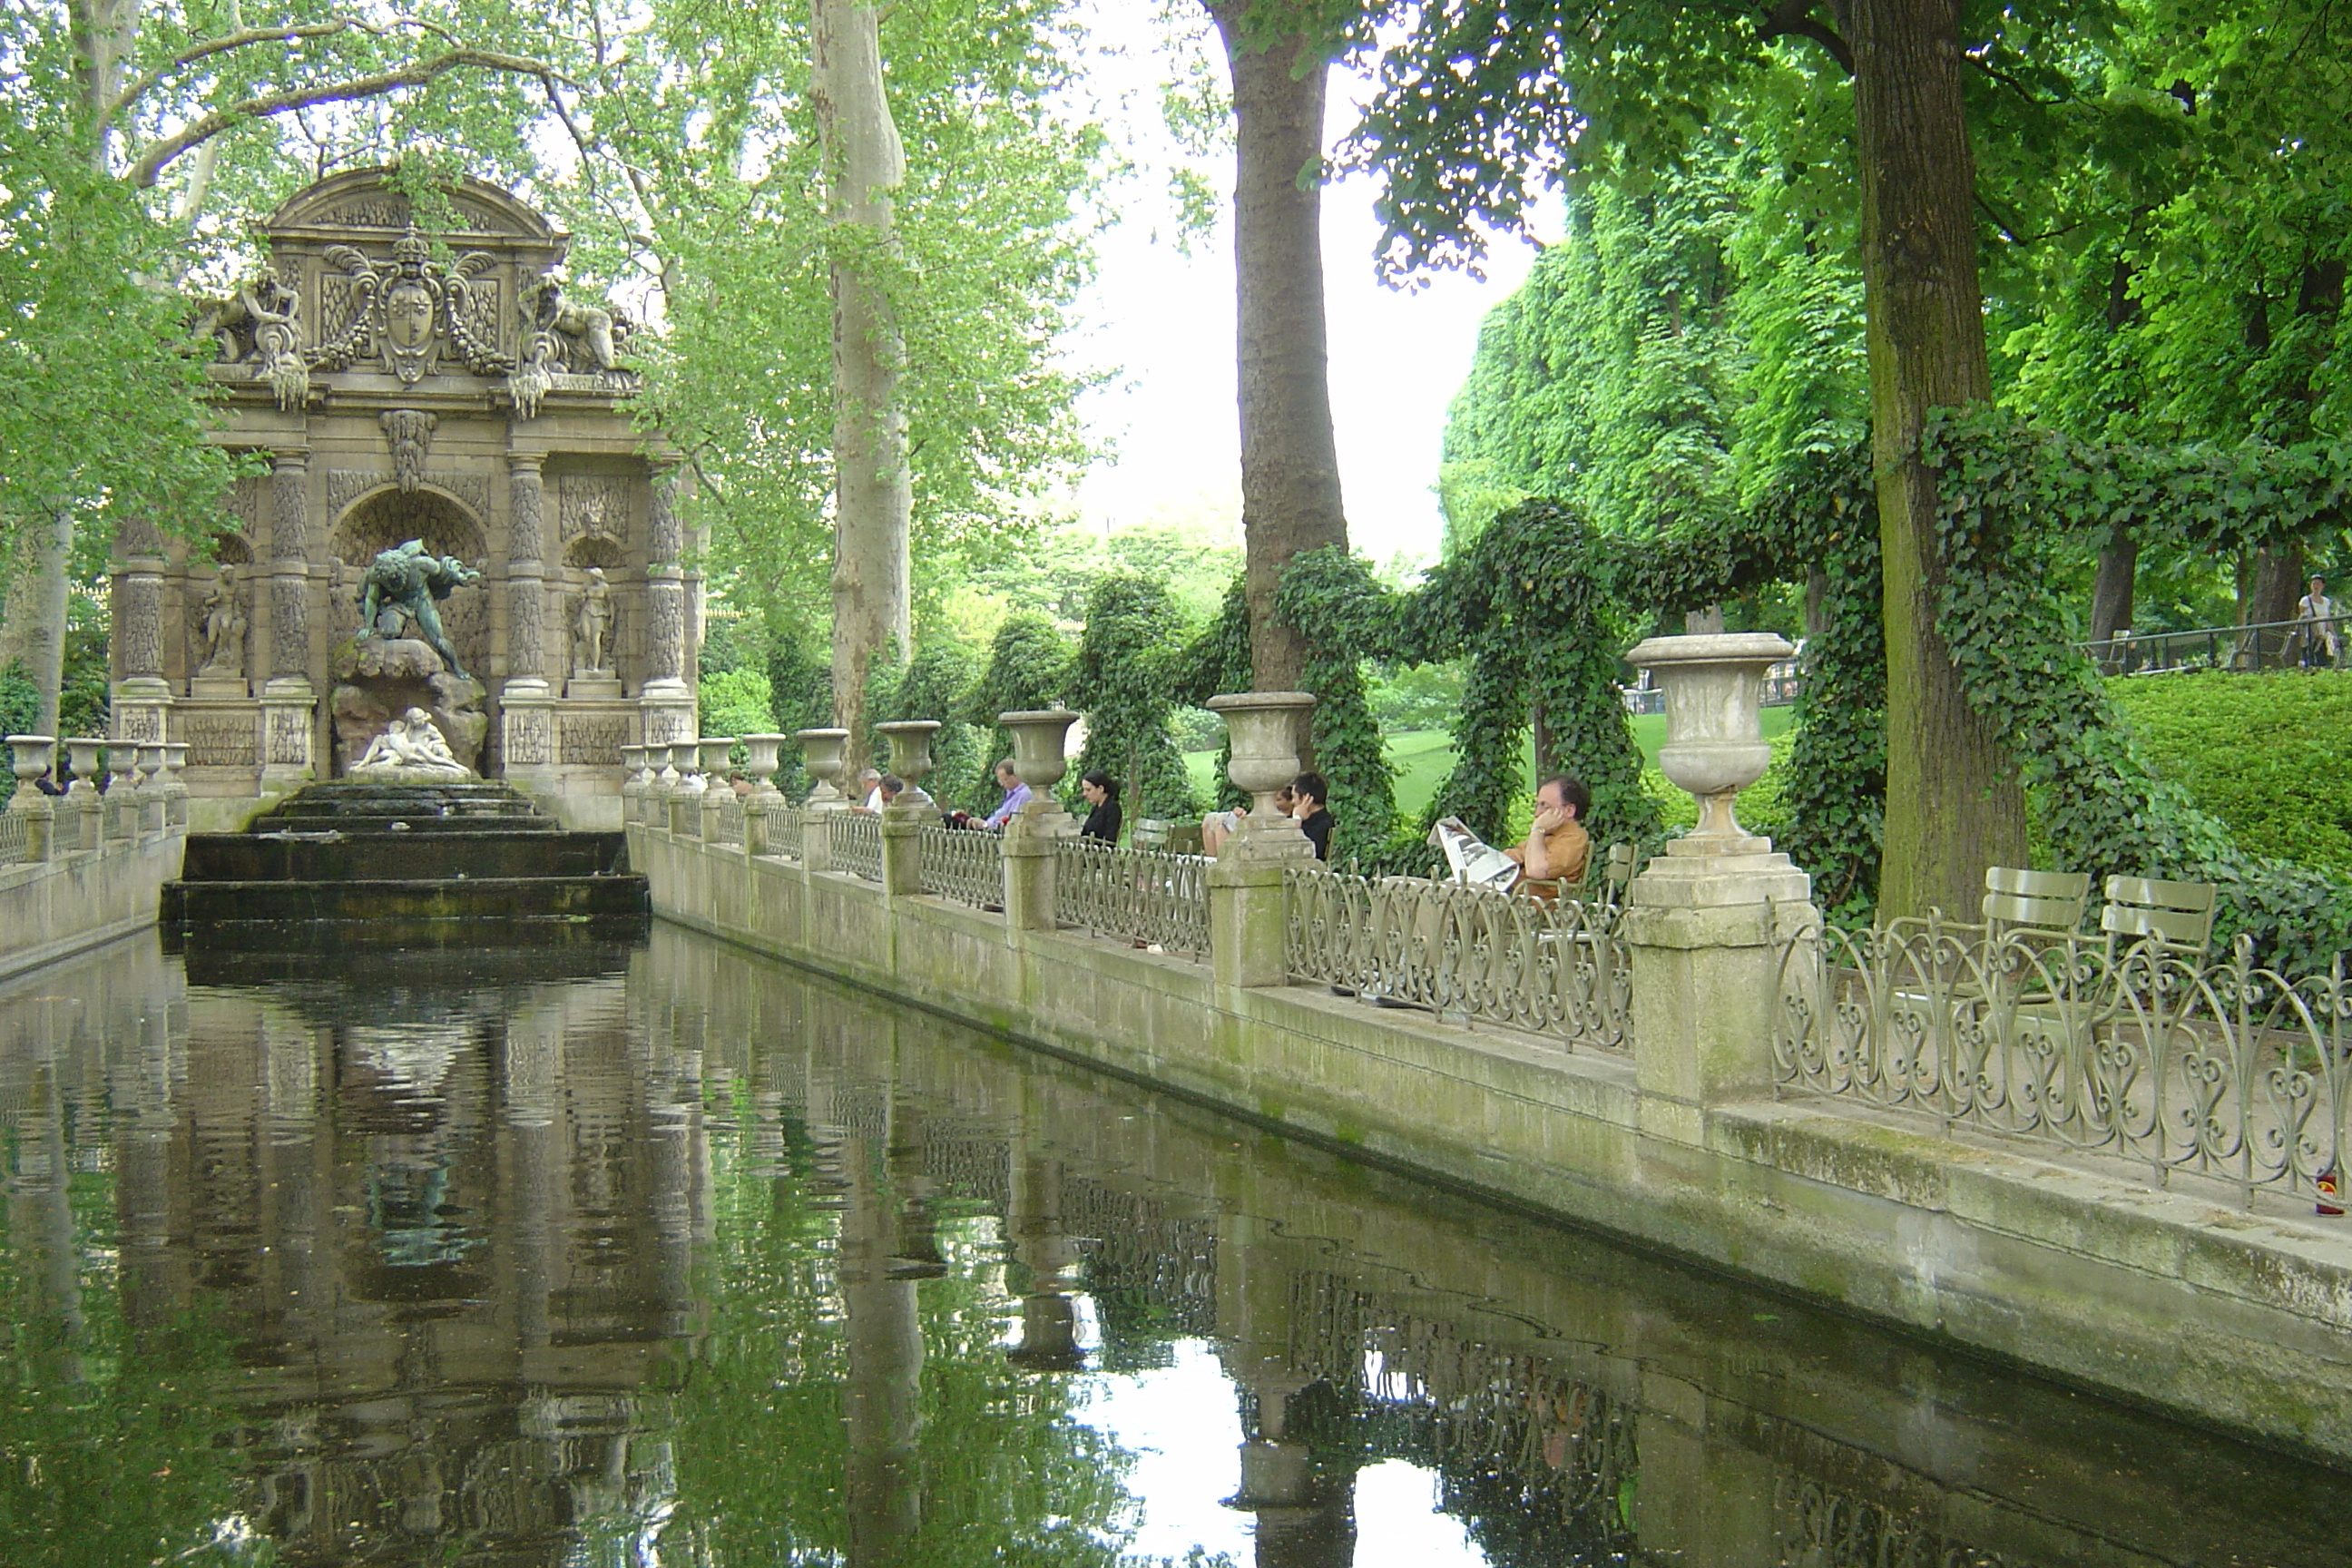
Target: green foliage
<point>2265,753</point>
<point>1028,670</point>
<point>736,702</point>
<point>1122,681</point>
<point>938,684</point>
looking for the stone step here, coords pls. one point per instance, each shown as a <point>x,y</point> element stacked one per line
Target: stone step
<point>379,818</point>
<point>440,847</point>
<point>249,952</point>
<point>387,902</point>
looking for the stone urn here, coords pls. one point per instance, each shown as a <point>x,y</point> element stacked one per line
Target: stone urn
<point>151,763</point>
<point>85,751</point>
<point>821,755</point>
<point>911,756</point>
<point>123,762</point>
<point>659,774</point>
<point>633,770</point>
<point>765,758</point>
<point>686,757</point>
<point>1040,752</point>
<point>32,754</point>
<point>716,751</point>
<point>1263,727</point>
<point>1714,746</point>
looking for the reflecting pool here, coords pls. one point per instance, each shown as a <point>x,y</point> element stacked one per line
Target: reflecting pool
<point>674,1255</point>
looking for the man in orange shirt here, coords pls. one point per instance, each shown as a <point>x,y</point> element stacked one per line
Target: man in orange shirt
<point>1557,844</point>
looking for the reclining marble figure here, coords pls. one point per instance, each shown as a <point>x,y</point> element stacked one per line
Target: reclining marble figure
<point>411,747</point>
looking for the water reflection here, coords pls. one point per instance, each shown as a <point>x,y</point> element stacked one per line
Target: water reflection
<point>674,1255</point>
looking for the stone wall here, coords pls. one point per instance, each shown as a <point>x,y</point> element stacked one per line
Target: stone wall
<point>2176,1297</point>
<point>50,909</point>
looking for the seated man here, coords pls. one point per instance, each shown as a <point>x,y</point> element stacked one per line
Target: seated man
<point>1557,845</point>
<point>1016,795</point>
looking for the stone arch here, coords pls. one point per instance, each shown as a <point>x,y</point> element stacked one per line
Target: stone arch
<point>386,517</point>
<point>593,550</point>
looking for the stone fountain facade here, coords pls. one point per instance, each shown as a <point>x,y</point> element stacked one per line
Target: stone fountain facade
<point>408,375</point>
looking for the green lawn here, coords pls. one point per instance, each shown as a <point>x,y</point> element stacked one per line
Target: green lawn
<point>1422,756</point>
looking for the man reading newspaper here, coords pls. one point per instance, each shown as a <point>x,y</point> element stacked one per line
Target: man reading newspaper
<point>1552,857</point>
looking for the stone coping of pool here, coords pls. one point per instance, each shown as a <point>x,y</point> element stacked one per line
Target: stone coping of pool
<point>2186,1301</point>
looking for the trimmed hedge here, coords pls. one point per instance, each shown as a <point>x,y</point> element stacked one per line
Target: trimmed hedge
<point>2269,754</point>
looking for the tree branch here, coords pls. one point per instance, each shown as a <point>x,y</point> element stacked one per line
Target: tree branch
<point>156,159</point>
<point>1794,19</point>
<point>244,38</point>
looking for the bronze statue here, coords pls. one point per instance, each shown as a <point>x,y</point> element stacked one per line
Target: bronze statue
<point>409,580</point>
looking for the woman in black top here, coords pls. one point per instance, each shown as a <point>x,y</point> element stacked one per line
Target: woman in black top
<point>1102,822</point>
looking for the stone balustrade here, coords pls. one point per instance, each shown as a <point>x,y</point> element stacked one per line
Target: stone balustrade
<point>86,865</point>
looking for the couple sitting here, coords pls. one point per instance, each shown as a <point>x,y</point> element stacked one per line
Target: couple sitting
<point>1302,798</point>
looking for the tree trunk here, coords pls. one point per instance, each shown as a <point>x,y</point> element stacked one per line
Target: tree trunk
<point>2111,590</point>
<point>1290,461</point>
<point>1953,801</point>
<point>873,496</point>
<point>44,639</point>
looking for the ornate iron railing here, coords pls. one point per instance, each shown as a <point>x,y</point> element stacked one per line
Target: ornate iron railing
<point>1141,896</point>
<point>786,838</point>
<point>965,866</point>
<point>730,820</point>
<point>2158,1055</point>
<point>857,844</point>
<point>16,837</point>
<point>1555,967</point>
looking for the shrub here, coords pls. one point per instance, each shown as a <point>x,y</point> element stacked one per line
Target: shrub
<point>2265,753</point>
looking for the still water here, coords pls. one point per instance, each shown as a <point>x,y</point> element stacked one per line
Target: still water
<point>674,1255</point>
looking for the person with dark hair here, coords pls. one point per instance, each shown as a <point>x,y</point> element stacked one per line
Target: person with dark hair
<point>1308,792</point>
<point>1102,821</point>
<point>1557,844</point>
<point>889,787</point>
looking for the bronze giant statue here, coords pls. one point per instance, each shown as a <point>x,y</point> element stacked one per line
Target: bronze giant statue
<point>409,580</point>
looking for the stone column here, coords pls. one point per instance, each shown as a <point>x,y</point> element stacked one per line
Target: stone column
<point>1702,921</point>
<point>668,698</point>
<point>142,697</point>
<point>526,702</point>
<point>289,704</point>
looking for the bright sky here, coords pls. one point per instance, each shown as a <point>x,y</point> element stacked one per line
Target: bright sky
<point>1397,359</point>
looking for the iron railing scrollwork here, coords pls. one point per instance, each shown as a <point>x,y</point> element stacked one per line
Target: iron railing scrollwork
<point>1141,896</point>
<point>2158,1054</point>
<point>857,844</point>
<point>786,838</point>
<point>965,866</point>
<point>16,837</point>
<point>730,820</point>
<point>1554,967</point>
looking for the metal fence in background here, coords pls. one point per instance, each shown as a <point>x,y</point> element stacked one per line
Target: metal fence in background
<point>16,837</point>
<point>963,865</point>
<point>786,837</point>
<point>1141,896</point>
<point>1554,967</point>
<point>2158,1055</point>
<point>856,844</point>
<point>730,819</point>
<point>2268,645</point>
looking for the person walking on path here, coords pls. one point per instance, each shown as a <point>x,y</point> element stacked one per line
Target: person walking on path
<point>2315,615</point>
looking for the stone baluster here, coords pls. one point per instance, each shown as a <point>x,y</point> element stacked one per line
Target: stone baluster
<point>288,701</point>
<point>83,800</point>
<point>175,784</point>
<point>1040,756</point>
<point>1246,912</point>
<point>765,797</point>
<point>154,811</point>
<point>526,702</point>
<point>123,792</point>
<point>32,754</point>
<point>1702,920</point>
<point>633,783</point>
<point>716,791</point>
<point>686,796</point>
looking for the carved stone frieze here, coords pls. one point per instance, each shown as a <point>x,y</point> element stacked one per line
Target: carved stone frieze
<point>592,740</point>
<point>406,310</point>
<point>290,734</point>
<point>345,485</point>
<point>290,637</point>
<point>665,540</point>
<point>245,505</point>
<point>409,433</point>
<point>524,644</point>
<point>221,740</point>
<point>665,629</point>
<point>526,510</point>
<point>290,507</point>
<point>593,506</point>
<point>139,624</point>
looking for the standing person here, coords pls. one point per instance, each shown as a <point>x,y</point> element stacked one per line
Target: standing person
<point>2317,613</point>
<point>1557,845</point>
<point>1016,795</point>
<point>1102,822</point>
<point>1307,791</point>
<point>869,790</point>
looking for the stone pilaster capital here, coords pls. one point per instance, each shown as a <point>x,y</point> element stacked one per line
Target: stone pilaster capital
<point>286,458</point>
<point>521,465</point>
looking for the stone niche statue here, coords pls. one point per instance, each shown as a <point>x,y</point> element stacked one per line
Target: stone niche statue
<point>220,628</point>
<point>408,583</point>
<point>592,628</point>
<point>411,748</point>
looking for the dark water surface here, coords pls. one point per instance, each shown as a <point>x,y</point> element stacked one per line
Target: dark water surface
<point>676,1256</point>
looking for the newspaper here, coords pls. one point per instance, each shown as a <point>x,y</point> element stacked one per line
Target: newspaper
<point>1472,860</point>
